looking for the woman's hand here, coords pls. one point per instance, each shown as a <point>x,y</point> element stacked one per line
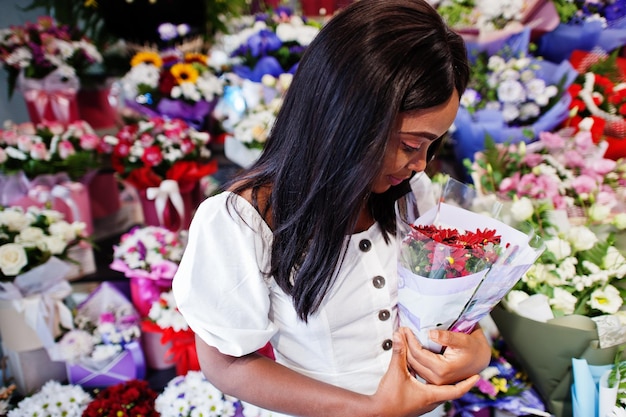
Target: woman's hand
<point>400,394</point>
<point>465,355</point>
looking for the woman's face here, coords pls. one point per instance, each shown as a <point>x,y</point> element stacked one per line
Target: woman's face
<point>407,147</point>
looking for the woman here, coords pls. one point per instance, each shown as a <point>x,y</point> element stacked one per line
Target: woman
<point>300,249</point>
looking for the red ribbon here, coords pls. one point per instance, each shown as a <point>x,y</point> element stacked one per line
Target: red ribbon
<point>183,351</point>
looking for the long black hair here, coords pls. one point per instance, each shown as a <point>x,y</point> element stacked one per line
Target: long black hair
<point>372,61</point>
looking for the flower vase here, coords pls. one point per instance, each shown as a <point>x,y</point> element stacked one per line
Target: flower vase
<point>156,352</point>
<point>51,98</point>
<point>144,291</point>
<point>95,106</point>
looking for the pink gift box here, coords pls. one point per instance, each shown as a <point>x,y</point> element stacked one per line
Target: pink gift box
<point>130,364</point>
<point>171,217</point>
<point>50,98</point>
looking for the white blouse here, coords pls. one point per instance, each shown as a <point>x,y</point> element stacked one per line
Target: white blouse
<point>222,293</point>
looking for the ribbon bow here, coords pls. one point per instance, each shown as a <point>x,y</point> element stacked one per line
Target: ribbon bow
<point>55,91</point>
<point>167,190</point>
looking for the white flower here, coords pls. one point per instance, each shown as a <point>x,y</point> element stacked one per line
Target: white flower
<point>12,259</point>
<point>559,247</point>
<point>599,212</point>
<point>194,395</point>
<point>581,238</point>
<point>14,218</point>
<point>522,209</point>
<point>76,344</point>
<point>511,91</point>
<point>619,221</point>
<point>607,300</point>
<point>614,261</point>
<point>563,301</point>
<point>53,400</point>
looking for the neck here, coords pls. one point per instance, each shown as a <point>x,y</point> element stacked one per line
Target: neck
<point>365,220</point>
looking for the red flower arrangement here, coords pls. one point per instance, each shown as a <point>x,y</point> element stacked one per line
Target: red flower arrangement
<point>437,252</point>
<point>599,93</point>
<point>132,398</point>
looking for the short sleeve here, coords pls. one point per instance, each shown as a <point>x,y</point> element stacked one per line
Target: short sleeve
<point>219,286</point>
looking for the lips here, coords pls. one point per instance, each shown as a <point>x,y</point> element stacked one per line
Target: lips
<point>395,180</point>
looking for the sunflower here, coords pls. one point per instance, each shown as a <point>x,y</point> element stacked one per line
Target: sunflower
<point>147,57</point>
<point>193,57</point>
<point>184,73</point>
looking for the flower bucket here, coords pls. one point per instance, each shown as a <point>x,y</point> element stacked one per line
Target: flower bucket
<point>50,98</point>
<point>157,353</point>
<point>104,194</point>
<point>31,369</point>
<point>94,106</point>
<point>169,206</point>
<point>545,352</point>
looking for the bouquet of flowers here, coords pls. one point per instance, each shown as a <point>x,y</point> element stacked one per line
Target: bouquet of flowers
<point>52,400</point>
<point>247,112</point>
<point>103,348</point>
<point>584,25</point>
<point>165,161</point>
<point>41,48</point>
<point>564,170</point>
<point>149,256</point>
<point>266,43</point>
<point>501,386</point>
<point>174,83</point>
<point>443,263</point>
<point>30,238</point>
<point>133,398</point>
<point>50,147</point>
<point>487,25</point>
<point>193,394</point>
<point>511,99</point>
<point>599,93</point>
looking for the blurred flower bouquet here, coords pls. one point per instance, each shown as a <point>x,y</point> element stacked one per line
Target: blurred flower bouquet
<point>132,398</point>
<point>247,112</point>
<point>50,147</point>
<point>464,274</point>
<point>511,99</point>
<point>584,25</point>
<point>267,43</point>
<point>53,400</point>
<point>501,386</point>
<point>172,83</point>
<point>103,348</point>
<point>45,60</point>
<point>486,25</point>
<point>193,394</point>
<point>164,160</point>
<point>599,93</point>
<point>149,257</point>
<point>571,194</point>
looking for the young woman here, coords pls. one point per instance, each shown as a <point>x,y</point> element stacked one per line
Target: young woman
<point>300,250</point>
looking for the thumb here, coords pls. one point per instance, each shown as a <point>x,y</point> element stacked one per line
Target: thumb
<point>398,357</point>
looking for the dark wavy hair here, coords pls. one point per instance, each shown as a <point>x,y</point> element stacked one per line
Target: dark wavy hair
<point>372,61</point>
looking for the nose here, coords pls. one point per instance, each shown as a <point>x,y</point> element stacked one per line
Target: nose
<point>418,163</point>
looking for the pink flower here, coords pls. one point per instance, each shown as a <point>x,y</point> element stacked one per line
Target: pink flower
<point>55,127</point>
<point>552,141</point>
<point>584,184</point>
<point>574,159</point>
<point>152,156</point>
<point>90,141</point>
<point>27,128</point>
<point>146,139</point>
<point>486,387</point>
<point>3,156</point>
<point>107,317</point>
<point>533,159</point>
<point>25,143</point>
<point>39,151</point>
<point>603,166</point>
<point>66,149</point>
<point>9,137</point>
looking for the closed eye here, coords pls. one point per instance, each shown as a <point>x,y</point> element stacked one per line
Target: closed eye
<point>410,149</point>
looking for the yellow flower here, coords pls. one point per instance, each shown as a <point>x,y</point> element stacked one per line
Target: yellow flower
<point>193,57</point>
<point>184,73</point>
<point>91,3</point>
<point>499,384</point>
<point>146,57</point>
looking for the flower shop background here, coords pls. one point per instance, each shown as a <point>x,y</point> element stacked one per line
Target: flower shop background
<point>181,104</point>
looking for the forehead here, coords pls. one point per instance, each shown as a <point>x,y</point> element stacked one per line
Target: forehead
<point>434,120</point>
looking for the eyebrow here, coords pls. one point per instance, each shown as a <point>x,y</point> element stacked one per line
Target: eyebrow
<point>427,135</point>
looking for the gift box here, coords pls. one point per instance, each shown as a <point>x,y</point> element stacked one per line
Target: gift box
<point>128,365</point>
<point>84,261</point>
<point>50,98</point>
<point>145,291</point>
<point>31,369</point>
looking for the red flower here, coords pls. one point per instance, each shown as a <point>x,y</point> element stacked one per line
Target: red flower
<point>152,156</point>
<point>132,398</point>
<point>166,83</point>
